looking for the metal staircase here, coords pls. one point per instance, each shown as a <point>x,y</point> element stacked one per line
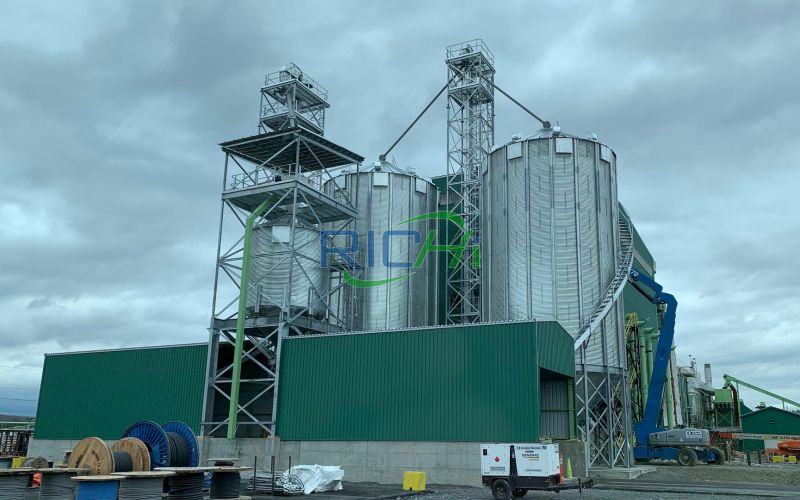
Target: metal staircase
<point>614,290</point>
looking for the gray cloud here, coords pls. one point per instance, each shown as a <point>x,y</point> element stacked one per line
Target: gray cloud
<point>110,173</point>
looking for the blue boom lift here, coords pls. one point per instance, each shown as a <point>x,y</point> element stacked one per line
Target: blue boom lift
<point>687,445</point>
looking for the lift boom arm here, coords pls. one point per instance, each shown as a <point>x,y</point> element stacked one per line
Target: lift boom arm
<point>661,356</point>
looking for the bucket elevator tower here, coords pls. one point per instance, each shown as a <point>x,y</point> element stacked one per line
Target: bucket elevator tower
<point>270,282</point>
<point>470,135</point>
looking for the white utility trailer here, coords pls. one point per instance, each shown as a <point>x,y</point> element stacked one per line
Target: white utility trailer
<point>511,469</point>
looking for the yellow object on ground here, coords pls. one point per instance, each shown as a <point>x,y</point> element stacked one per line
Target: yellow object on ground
<point>17,462</point>
<point>568,474</point>
<point>792,459</point>
<point>413,481</point>
<point>777,459</point>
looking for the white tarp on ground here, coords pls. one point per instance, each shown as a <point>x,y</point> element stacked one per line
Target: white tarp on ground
<point>318,478</point>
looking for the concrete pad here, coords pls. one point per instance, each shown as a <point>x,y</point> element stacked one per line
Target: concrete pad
<point>620,472</point>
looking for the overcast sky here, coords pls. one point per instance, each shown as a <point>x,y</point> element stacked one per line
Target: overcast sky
<point>110,173</point>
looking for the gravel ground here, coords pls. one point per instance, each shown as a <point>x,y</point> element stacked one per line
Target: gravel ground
<point>780,474</point>
<point>775,474</point>
<point>466,493</point>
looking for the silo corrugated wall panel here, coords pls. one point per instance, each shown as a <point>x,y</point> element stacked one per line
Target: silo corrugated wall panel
<point>101,393</point>
<point>498,259</point>
<point>592,283</point>
<point>566,264</point>
<point>541,198</point>
<point>518,242</point>
<point>477,383</point>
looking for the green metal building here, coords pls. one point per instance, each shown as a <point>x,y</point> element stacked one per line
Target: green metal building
<point>488,382</point>
<point>773,424</point>
<point>101,393</point>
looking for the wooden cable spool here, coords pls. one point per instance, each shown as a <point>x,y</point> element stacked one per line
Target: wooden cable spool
<point>137,450</point>
<point>92,453</point>
<point>95,454</point>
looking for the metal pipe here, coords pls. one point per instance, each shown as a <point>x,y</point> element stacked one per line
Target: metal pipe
<point>669,398</point>
<point>643,376</point>
<point>649,366</point>
<point>244,284</point>
<point>545,123</point>
<point>707,375</point>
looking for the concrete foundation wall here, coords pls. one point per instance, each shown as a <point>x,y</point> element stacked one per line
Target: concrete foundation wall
<point>375,461</point>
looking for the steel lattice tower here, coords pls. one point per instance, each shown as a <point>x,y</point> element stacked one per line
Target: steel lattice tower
<point>273,183</point>
<point>470,135</point>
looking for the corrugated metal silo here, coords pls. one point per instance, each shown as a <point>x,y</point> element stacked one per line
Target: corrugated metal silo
<point>386,196</point>
<point>271,256</point>
<point>550,231</point>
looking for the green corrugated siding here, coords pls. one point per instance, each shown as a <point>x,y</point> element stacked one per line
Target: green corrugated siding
<point>440,182</point>
<point>556,349</point>
<point>771,421</point>
<point>768,421</point>
<point>641,249</point>
<point>102,393</point>
<point>445,384</point>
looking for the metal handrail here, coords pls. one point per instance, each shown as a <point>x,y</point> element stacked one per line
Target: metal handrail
<point>476,45</point>
<point>292,72</point>
<point>614,289</point>
<point>262,175</point>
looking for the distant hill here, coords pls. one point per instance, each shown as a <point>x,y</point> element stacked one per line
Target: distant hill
<point>14,418</point>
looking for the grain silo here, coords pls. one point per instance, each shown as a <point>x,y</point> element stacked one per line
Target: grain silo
<point>272,270</point>
<point>550,233</point>
<point>386,196</point>
<point>551,251</point>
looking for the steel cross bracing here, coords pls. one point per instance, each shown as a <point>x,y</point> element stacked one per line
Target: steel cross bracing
<point>603,418</point>
<point>288,170</point>
<point>470,135</point>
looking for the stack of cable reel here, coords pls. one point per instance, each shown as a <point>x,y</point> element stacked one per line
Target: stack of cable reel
<point>171,445</point>
<point>125,467</point>
<point>127,455</point>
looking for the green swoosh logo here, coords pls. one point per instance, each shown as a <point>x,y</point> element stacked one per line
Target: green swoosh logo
<point>359,283</point>
<point>453,217</point>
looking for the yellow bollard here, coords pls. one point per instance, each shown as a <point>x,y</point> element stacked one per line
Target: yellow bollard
<point>413,481</point>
